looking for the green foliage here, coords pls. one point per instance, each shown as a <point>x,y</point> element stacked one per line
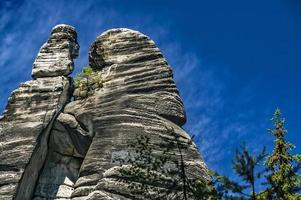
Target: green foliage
<point>86,82</point>
<point>283,180</point>
<point>280,169</point>
<point>204,189</point>
<point>151,175</point>
<point>147,169</point>
<point>163,175</point>
<point>245,166</point>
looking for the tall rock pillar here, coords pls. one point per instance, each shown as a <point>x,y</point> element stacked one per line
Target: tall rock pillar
<point>30,113</point>
<point>139,98</point>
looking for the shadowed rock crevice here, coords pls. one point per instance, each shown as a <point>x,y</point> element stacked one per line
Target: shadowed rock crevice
<point>68,144</point>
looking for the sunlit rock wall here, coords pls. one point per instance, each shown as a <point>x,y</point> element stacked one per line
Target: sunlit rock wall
<point>55,147</point>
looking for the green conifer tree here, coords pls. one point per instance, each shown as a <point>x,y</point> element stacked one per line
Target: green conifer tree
<point>246,167</point>
<point>283,179</point>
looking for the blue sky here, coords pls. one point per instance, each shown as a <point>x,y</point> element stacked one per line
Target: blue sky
<point>234,61</point>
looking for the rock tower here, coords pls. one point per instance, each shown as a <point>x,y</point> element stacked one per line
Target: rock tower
<point>55,147</point>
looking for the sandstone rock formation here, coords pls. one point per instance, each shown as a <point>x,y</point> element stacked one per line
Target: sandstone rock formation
<point>56,55</point>
<point>30,113</point>
<point>55,149</point>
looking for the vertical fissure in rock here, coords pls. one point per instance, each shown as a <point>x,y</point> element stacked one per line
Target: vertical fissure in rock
<point>51,68</point>
<point>33,168</point>
<point>67,146</point>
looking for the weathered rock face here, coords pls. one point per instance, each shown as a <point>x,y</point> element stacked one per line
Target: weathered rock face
<point>70,151</point>
<point>139,97</point>
<point>56,55</point>
<point>29,116</point>
<point>67,146</point>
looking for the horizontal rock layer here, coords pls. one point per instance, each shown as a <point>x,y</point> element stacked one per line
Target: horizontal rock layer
<point>24,129</point>
<point>51,148</point>
<point>139,97</point>
<point>56,55</point>
<point>32,108</point>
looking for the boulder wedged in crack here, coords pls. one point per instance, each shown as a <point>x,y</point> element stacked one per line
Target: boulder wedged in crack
<point>139,97</point>
<point>31,110</point>
<point>68,144</point>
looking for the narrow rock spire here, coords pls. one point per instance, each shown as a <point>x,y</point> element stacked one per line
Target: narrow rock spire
<point>56,55</point>
<point>30,113</point>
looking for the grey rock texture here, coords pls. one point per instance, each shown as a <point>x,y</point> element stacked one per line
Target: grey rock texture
<point>139,96</point>
<point>56,55</point>
<point>53,148</point>
<point>28,118</point>
<point>67,146</point>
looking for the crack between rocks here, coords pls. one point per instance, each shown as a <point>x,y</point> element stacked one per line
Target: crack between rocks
<point>68,131</point>
<point>22,191</point>
<point>62,154</point>
<point>81,125</point>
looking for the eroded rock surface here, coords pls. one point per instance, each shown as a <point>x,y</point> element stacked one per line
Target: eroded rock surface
<point>139,96</point>
<point>56,55</point>
<point>30,113</point>
<point>55,149</point>
<point>68,144</point>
